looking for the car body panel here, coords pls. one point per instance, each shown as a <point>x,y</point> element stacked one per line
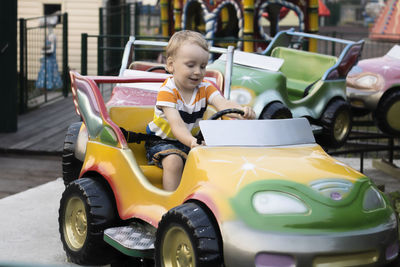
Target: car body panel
<point>353,248</point>
<point>204,167</point>
<point>271,86</point>
<point>387,66</point>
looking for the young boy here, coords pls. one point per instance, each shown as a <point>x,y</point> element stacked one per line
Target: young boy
<point>181,103</point>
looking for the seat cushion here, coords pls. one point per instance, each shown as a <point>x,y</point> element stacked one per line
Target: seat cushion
<point>302,68</point>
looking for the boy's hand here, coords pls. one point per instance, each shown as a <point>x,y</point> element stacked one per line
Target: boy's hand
<point>194,143</point>
<point>249,113</point>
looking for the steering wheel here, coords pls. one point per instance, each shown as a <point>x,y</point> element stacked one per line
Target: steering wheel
<point>157,68</point>
<point>216,116</point>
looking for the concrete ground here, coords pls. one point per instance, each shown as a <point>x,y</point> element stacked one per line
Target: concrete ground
<point>19,172</point>
<point>29,226</point>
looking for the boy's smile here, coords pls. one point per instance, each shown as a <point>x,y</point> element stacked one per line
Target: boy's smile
<point>188,66</point>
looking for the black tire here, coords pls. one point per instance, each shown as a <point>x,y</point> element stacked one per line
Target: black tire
<point>86,210</point>
<point>276,110</point>
<point>71,166</point>
<point>336,122</point>
<point>188,235</point>
<point>387,114</point>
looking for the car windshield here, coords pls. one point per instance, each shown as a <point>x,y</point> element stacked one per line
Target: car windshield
<point>255,60</point>
<point>394,52</point>
<point>257,132</point>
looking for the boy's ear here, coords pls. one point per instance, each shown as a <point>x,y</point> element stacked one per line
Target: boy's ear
<point>169,66</point>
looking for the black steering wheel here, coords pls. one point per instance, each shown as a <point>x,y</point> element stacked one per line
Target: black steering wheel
<point>216,116</point>
<point>157,68</point>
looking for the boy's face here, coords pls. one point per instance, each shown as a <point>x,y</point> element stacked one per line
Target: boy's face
<point>188,66</point>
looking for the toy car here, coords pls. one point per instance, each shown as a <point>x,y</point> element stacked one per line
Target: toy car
<point>373,86</point>
<point>286,82</point>
<point>307,84</point>
<point>260,193</point>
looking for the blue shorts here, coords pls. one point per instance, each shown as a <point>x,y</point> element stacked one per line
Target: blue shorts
<point>156,150</point>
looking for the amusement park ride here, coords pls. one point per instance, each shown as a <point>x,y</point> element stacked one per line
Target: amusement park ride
<point>238,19</point>
<point>238,202</point>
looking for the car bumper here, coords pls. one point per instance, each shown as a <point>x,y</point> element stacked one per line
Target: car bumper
<point>248,247</point>
<point>363,99</point>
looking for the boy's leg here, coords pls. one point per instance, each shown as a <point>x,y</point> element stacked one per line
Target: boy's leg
<point>173,167</point>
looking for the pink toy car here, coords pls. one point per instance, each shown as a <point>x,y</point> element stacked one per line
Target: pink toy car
<point>373,85</point>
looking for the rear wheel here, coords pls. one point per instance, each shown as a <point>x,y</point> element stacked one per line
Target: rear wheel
<point>387,114</point>
<point>276,110</point>
<point>86,210</point>
<point>71,166</point>
<point>336,122</point>
<point>188,237</point>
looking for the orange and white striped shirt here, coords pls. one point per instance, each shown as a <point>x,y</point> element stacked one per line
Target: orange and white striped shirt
<point>191,113</point>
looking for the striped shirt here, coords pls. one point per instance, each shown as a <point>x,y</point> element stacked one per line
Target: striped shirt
<point>191,113</point>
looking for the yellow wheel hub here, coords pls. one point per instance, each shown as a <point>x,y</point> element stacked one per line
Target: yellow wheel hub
<point>341,127</point>
<point>75,223</point>
<point>177,250</point>
<point>393,116</point>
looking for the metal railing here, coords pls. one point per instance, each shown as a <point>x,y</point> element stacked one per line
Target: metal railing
<point>124,20</point>
<point>143,52</point>
<point>367,144</point>
<point>371,48</point>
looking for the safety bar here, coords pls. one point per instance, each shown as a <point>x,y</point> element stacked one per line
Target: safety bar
<point>320,37</point>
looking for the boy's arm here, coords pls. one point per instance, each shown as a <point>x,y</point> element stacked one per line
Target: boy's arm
<point>222,103</point>
<point>178,127</point>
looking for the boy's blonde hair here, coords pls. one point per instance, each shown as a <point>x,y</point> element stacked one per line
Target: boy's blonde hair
<point>181,37</point>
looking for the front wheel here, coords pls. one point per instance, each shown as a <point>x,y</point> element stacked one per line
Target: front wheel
<point>276,110</point>
<point>336,122</point>
<point>387,114</point>
<point>187,237</point>
<point>86,210</point>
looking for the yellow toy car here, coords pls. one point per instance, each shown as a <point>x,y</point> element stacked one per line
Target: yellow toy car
<point>260,193</point>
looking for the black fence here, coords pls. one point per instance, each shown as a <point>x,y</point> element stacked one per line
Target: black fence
<point>110,47</point>
<point>366,141</point>
<point>371,48</point>
<point>43,61</point>
<point>117,23</point>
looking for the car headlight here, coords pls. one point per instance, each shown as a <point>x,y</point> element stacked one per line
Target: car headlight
<point>273,202</point>
<point>373,200</point>
<point>242,96</point>
<point>366,81</point>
